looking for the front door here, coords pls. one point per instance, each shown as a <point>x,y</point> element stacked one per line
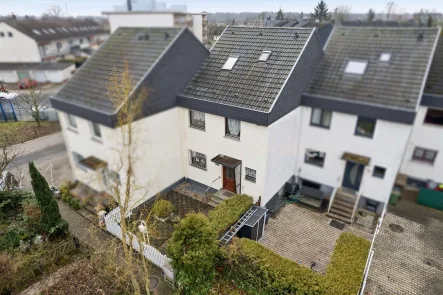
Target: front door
<point>353,175</point>
<point>228,179</point>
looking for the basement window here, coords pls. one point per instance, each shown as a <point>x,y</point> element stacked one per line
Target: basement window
<point>230,62</point>
<point>264,56</point>
<point>356,67</point>
<point>385,57</point>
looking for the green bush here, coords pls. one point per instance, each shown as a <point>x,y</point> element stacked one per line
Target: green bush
<point>258,270</point>
<point>11,202</point>
<point>229,211</point>
<point>10,240</point>
<point>162,208</point>
<point>194,251</point>
<point>344,272</point>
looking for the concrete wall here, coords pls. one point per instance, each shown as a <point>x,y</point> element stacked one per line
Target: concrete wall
<point>426,136</point>
<point>197,26</point>
<point>141,20</point>
<point>385,149</point>
<point>18,48</point>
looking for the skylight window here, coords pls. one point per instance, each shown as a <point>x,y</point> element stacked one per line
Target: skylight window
<point>36,32</point>
<point>65,29</point>
<point>45,31</point>
<point>264,56</point>
<point>52,31</point>
<point>229,64</point>
<point>356,67</point>
<point>385,57</point>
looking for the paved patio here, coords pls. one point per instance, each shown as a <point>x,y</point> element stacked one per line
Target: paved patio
<point>408,252</point>
<point>305,236</point>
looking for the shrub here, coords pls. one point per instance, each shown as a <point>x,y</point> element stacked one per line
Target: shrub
<point>259,270</point>
<point>229,211</point>
<point>10,240</point>
<point>162,208</point>
<point>194,251</point>
<point>344,272</point>
<point>10,201</point>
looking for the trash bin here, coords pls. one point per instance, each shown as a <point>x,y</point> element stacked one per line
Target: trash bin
<point>395,196</point>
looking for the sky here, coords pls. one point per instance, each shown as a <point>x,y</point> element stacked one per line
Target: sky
<point>95,7</point>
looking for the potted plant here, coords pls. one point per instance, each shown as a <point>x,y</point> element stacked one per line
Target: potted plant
<point>162,210</point>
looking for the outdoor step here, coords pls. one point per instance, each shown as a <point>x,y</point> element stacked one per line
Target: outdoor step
<point>216,199</point>
<point>88,215</point>
<point>343,203</point>
<point>342,208</point>
<point>345,198</point>
<point>90,208</point>
<point>338,217</point>
<point>340,212</point>
<point>212,203</point>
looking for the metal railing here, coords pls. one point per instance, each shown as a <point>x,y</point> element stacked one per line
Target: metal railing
<point>212,183</point>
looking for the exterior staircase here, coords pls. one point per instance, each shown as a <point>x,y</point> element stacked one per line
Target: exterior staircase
<point>343,204</point>
<point>219,197</point>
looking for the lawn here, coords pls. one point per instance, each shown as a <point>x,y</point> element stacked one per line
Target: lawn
<point>17,132</point>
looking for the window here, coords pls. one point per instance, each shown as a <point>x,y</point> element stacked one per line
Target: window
<point>232,127</point>
<point>229,64</point>
<point>314,157</point>
<point>197,119</point>
<point>77,158</point>
<point>379,172</point>
<point>81,41</point>
<point>96,132</point>
<point>356,67</point>
<point>424,155</point>
<point>52,31</point>
<point>45,31</point>
<point>365,127</point>
<point>250,174</point>
<point>434,116</point>
<point>71,121</point>
<point>36,32</point>
<point>65,29</point>
<point>197,160</point>
<point>59,46</point>
<point>105,177</point>
<point>264,56</point>
<point>114,177</point>
<point>10,34</point>
<point>2,34</point>
<point>321,118</point>
<point>385,57</point>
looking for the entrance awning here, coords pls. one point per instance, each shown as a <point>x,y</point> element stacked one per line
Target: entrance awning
<point>93,163</point>
<point>226,161</point>
<point>356,158</point>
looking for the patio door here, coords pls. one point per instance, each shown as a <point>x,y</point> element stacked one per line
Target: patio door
<point>229,179</point>
<point>353,175</point>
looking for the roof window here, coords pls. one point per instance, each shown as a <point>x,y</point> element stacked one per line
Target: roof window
<point>385,57</point>
<point>264,56</point>
<point>36,32</point>
<point>65,29</point>
<point>356,67</point>
<point>52,31</point>
<point>230,62</point>
<point>45,31</point>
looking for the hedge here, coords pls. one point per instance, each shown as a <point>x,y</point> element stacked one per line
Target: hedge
<point>229,211</point>
<point>259,270</point>
<point>344,272</point>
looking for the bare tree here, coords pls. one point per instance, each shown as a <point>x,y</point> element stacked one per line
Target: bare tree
<point>31,101</point>
<point>342,12</point>
<point>53,11</point>
<point>7,156</point>
<point>390,9</point>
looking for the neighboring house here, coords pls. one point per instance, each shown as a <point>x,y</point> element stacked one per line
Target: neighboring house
<point>54,72</point>
<point>264,108</point>
<point>195,22</point>
<point>423,160</point>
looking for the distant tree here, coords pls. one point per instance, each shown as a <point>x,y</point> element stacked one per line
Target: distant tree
<point>233,21</point>
<point>129,4</point>
<point>52,12</point>
<point>31,101</point>
<point>301,15</point>
<point>342,12</point>
<point>390,9</point>
<point>320,12</point>
<point>280,15</point>
<point>371,15</point>
<point>430,21</point>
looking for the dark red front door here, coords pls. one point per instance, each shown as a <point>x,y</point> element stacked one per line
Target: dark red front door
<point>228,179</point>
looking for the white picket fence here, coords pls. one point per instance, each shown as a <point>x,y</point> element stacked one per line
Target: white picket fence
<point>152,254</point>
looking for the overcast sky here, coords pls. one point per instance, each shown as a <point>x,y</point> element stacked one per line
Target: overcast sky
<point>94,7</point>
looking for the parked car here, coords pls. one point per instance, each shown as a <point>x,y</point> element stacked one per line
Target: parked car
<point>26,83</point>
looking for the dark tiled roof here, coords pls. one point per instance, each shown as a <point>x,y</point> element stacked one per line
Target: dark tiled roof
<point>250,84</point>
<point>395,84</point>
<point>434,84</point>
<point>54,28</point>
<point>47,66</point>
<point>89,86</point>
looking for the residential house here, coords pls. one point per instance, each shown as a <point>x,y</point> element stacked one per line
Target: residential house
<point>27,44</point>
<point>195,22</point>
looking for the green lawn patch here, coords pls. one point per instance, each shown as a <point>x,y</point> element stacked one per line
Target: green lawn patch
<point>17,132</point>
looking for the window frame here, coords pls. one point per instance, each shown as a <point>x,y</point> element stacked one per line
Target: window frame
<point>265,55</point>
<point>2,34</point>
<point>427,122</point>
<point>94,135</point>
<point>249,177</point>
<point>230,63</point>
<point>383,58</point>
<point>308,160</point>
<point>227,133</point>
<point>10,35</point>
<point>72,121</point>
<point>200,155</point>
<point>379,175</point>
<point>423,157</point>
<point>77,158</point>
<point>197,126</point>
<point>357,133</point>
<point>322,111</point>
<point>356,63</point>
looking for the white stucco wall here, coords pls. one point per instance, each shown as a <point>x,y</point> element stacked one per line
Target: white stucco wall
<point>385,149</point>
<point>426,136</point>
<point>251,149</point>
<point>197,26</point>
<point>18,48</point>
<point>141,20</point>
<point>8,76</point>
<point>158,162</point>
